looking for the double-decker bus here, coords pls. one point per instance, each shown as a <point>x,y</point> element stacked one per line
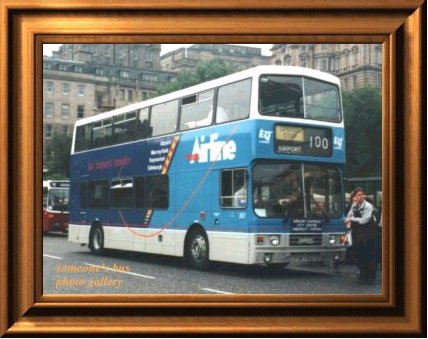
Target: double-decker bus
<point>55,205</point>
<point>246,169</point>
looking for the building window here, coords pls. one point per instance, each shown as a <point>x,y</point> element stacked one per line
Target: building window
<point>304,62</point>
<point>62,67</point>
<point>65,88</point>
<point>124,74</point>
<point>49,110</point>
<point>130,95</point>
<point>149,77</point>
<point>99,71</point>
<point>78,69</point>
<point>379,56</point>
<point>355,58</point>
<point>324,64</point>
<point>48,131</point>
<point>354,81</point>
<point>324,47</point>
<point>347,82</point>
<point>145,95</point>
<point>49,87</point>
<point>122,94</point>
<point>99,100</point>
<point>122,55</point>
<point>65,111</point>
<point>149,57</point>
<point>135,55</point>
<point>47,65</point>
<point>80,111</point>
<point>346,60</point>
<point>65,129</point>
<point>81,90</point>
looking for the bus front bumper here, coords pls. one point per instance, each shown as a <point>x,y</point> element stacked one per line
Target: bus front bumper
<point>270,256</point>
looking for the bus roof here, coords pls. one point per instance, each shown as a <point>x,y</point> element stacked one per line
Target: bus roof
<point>251,72</point>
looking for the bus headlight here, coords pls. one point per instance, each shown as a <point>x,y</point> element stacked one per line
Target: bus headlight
<point>274,240</point>
<point>334,240</point>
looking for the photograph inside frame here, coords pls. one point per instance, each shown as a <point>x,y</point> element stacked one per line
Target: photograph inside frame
<point>212,169</point>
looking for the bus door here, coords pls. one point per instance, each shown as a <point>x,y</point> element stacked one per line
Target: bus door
<point>231,231</point>
<point>157,215</point>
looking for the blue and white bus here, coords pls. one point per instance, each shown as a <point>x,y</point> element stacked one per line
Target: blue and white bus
<point>244,169</point>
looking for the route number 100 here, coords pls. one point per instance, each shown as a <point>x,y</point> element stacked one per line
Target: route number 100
<point>318,142</point>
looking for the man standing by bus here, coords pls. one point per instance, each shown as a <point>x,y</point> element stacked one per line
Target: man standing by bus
<point>360,220</point>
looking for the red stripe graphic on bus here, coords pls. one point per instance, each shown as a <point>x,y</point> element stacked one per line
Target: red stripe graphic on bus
<point>170,154</point>
<point>192,157</point>
<point>147,217</point>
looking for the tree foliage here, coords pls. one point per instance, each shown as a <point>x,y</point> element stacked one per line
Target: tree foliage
<point>59,147</point>
<point>206,70</point>
<point>363,128</point>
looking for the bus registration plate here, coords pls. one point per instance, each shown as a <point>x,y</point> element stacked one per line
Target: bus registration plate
<point>305,258</point>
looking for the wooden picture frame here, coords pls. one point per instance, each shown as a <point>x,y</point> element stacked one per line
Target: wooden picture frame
<point>25,26</point>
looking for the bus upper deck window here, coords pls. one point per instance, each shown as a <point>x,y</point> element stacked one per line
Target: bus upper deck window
<point>299,97</point>
<point>197,110</point>
<point>83,138</point>
<point>233,102</point>
<point>164,118</point>
<point>321,101</point>
<point>143,125</point>
<point>281,96</point>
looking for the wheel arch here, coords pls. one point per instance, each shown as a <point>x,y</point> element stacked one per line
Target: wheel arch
<point>193,227</point>
<point>96,224</point>
<point>196,226</point>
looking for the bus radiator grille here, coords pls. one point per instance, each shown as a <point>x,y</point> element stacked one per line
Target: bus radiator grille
<point>305,240</point>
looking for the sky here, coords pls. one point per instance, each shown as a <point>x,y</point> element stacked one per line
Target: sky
<point>165,48</point>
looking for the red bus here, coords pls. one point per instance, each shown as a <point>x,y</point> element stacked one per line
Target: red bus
<point>55,205</point>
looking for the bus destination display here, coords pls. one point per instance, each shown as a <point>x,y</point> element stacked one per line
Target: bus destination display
<point>301,140</point>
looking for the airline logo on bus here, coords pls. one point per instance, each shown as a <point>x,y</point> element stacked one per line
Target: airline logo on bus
<point>208,149</point>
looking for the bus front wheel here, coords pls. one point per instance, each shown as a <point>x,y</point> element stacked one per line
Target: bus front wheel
<point>197,250</point>
<point>96,240</point>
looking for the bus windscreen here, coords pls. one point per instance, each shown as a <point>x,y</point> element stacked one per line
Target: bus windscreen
<point>298,97</point>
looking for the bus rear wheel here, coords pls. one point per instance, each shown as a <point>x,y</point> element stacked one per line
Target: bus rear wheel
<point>96,239</point>
<point>197,250</point>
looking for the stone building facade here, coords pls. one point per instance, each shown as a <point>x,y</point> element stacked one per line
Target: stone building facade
<point>142,56</point>
<point>356,65</point>
<point>186,59</point>
<point>81,81</point>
